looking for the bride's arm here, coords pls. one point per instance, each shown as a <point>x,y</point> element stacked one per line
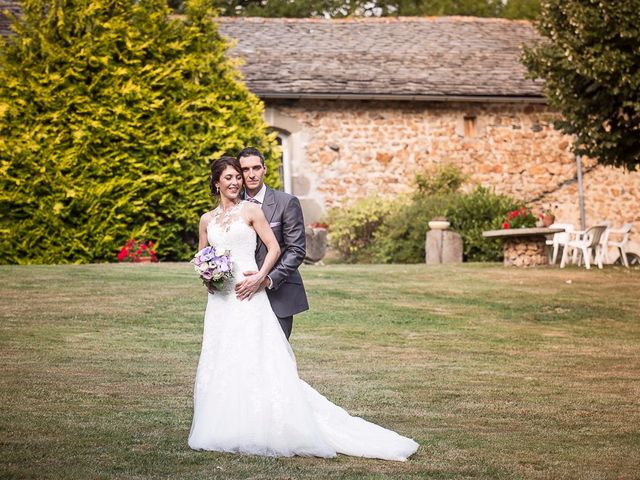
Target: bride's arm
<point>202,231</point>
<point>259,223</point>
<point>254,280</point>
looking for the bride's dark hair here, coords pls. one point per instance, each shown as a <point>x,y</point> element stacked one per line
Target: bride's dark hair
<point>219,166</point>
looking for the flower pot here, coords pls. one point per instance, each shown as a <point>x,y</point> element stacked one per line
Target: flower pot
<point>144,260</point>
<point>548,220</point>
<point>439,225</point>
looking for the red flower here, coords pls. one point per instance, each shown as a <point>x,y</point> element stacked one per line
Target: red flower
<point>319,225</point>
<point>134,251</point>
<point>505,225</point>
<point>124,253</point>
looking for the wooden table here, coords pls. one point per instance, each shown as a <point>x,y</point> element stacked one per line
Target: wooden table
<point>523,247</point>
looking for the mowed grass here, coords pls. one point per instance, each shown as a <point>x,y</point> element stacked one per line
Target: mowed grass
<point>497,372</point>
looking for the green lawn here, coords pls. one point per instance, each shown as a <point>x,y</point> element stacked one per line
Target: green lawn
<point>496,372</point>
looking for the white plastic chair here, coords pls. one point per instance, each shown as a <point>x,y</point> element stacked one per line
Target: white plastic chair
<point>560,239</point>
<point>603,241</point>
<point>584,242</point>
<point>620,243</point>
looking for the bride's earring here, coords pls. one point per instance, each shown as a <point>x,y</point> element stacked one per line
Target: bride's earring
<point>217,190</point>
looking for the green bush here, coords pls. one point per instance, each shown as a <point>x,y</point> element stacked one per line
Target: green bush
<point>477,211</point>
<point>401,237</point>
<point>445,179</point>
<point>394,232</point>
<point>352,228</point>
<point>110,114</point>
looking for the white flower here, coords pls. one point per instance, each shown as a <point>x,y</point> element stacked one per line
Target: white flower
<point>203,267</point>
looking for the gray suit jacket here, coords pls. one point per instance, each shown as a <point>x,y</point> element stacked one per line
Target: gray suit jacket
<point>284,214</point>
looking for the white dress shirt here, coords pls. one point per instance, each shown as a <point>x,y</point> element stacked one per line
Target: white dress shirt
<point>259,197</point>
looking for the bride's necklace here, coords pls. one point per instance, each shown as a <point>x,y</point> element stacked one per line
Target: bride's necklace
<point>224,217</point>
<point>224,211</point>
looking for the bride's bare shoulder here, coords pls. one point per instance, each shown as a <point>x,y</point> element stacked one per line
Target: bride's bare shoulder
<point>206,217</point>
<point>251,210</point>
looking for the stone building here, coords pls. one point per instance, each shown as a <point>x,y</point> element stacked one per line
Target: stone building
<point>362,106</point>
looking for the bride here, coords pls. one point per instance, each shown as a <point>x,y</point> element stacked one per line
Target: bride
<point>248,397</point>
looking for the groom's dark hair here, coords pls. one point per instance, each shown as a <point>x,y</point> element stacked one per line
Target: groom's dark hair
<point>251,152</point>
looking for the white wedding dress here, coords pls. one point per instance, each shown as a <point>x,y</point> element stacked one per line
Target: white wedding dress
<point>247,395</point>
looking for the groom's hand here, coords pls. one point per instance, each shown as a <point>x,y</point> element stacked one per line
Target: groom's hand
<point>251,284</point>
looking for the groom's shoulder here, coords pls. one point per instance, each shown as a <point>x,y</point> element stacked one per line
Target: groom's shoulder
<point>281,196</point>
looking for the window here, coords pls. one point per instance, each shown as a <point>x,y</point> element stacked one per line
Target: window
<point>285,166</point>
<point>469,125</point>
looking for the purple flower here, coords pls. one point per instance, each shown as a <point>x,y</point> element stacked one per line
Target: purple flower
<point>222,263</point>
<point>208,256</point>
<point>213,267</point>
<point>207,275</point>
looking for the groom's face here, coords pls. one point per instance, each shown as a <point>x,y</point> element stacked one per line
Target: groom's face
<point>253,173</point>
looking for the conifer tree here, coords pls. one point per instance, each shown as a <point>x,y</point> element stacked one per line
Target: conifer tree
<point>111,112</point>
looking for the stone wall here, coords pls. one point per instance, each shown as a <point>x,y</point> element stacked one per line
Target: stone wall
<point>342,150</point>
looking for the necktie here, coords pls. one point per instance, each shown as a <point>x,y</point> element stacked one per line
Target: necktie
<point>253,200</point>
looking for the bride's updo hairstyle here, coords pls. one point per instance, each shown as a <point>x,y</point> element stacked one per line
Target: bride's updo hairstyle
<point>219,166</point>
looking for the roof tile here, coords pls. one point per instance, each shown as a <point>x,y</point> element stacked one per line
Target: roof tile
<point>430,56</point>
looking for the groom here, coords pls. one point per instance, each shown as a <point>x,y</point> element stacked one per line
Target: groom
<point>283,284</point>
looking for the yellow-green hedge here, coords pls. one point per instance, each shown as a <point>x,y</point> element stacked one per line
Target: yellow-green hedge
<point>110,114</point>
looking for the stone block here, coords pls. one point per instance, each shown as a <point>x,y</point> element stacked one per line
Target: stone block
<point>443,246</point>
<point>316,244</point>
<point>537,170</point>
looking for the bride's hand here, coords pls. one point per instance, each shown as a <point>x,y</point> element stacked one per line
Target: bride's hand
<point>252,282</point>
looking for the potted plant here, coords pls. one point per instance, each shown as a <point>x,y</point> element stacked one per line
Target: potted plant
<point>138,252</point>
<point>548,215</point>
<point>519,218</point>
<point>439,223</point>
<point>319,225</point>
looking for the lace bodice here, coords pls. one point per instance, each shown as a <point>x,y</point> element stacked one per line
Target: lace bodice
<point>229,231</point>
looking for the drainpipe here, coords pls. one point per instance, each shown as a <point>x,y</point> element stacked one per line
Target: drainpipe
<point>583,222</point>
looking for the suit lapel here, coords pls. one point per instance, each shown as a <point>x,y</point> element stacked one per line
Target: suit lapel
<point>269,209</point>
<point>269,204</point>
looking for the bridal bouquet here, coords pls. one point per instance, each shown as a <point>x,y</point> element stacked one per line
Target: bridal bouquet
<point>214,267</point>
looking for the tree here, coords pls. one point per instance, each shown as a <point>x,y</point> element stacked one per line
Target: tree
<point>521,9</point>
<point>367,8</point>
<point>590,63</point>
<point>110,114</point>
